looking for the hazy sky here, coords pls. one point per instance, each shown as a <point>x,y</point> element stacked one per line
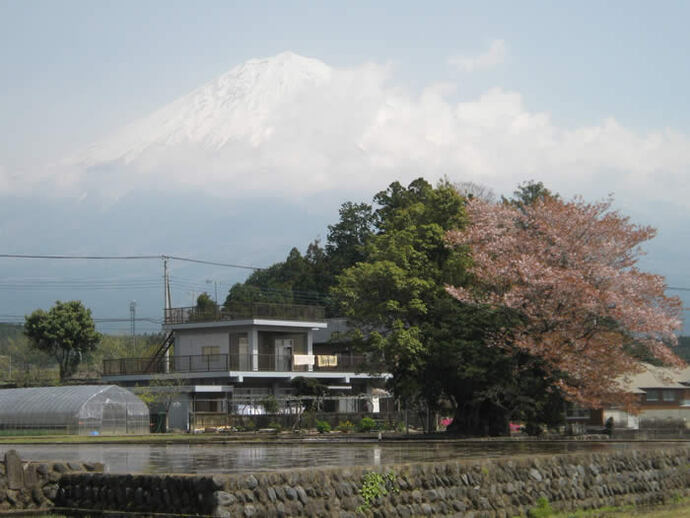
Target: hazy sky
<point>590,97</point>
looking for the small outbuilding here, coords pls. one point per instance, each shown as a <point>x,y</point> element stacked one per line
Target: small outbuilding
<point>78,410</point>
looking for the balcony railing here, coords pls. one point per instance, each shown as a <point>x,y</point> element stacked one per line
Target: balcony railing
<point>244,311</point>
<point>231,362</point>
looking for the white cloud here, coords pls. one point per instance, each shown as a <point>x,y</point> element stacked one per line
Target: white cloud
<point>313,129</point>
<point>492,57</point>
<point>14,181</point>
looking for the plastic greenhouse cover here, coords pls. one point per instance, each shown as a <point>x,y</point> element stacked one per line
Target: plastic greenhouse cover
<point>66,406</point>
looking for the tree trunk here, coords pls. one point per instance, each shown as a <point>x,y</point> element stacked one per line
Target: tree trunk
<point>480,419</point>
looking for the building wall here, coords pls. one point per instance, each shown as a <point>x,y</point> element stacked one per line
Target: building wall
<point>665,414</point>
<point>664,397</point>
<point>621,419</point>
<point>190,342</point>
<point>178,416</point>
<point>648,416</point>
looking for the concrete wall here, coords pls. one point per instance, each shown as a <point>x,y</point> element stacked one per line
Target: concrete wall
<point>621,419</point>
<point>491,488</point>
<point>34,485</point>
<point>649,417</point>
<point>189,342</point>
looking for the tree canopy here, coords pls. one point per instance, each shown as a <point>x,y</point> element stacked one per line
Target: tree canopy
<point>205,308</point>
<point>435,348</point>
<point>66,332</point>
<point>503,308</point>
<point>568,271</point>
<point>306,279</point>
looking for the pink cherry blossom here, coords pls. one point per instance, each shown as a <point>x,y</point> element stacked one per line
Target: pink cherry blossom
<point>569,269</point>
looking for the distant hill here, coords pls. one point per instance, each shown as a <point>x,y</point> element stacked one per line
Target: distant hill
<point>11,331</point>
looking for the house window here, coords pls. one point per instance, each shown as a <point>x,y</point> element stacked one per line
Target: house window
<point>669,395</point>
<point>652,395</point>
<point>209,350</point>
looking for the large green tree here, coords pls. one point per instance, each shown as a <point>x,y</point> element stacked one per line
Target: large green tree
<point>66,332</point>
<point>346,239</point>
<point>387,270</point>
<point>435,347</point>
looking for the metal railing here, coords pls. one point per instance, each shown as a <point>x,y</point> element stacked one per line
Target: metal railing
<point>231,362</point>
<point>244,311</point>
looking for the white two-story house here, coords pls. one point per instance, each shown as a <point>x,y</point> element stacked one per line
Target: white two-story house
<point>225,361</point>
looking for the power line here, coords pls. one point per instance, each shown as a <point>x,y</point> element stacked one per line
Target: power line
<point>127,257</point>
<point>87,257</point>
<point>24,287</point>
<point>212,263</point>
<point>101,319</point>
<point>137,319</point>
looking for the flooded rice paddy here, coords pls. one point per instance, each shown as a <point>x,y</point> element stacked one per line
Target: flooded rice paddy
<point>253,457</point>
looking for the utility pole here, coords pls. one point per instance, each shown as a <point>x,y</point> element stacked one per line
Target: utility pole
<point>215,290</point>
<point>167,304</point>
<point>166,286</point>
<point>133,320</point>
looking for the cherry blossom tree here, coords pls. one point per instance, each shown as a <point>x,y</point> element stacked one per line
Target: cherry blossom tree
<point>568,270</point>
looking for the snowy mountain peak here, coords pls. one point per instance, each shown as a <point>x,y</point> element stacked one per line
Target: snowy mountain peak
<point>237,106</point>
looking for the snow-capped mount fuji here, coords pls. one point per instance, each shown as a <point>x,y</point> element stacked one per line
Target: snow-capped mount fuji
<point>287,125</point>
<point>236,107</point>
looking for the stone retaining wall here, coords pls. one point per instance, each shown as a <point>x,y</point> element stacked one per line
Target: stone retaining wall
<point>34,485</point>
<point>487,489</point>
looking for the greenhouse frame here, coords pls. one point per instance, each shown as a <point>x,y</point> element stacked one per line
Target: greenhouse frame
<point>77,410</point>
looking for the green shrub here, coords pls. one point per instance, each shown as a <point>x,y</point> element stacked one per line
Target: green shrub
<point>393,426</point>
<point>346,426</point>
<point>542,510</point>
<point>275,425</point>
<point>366,424</point>
<point>323,426</point>
<point>249,425</point>
<point>376,485</point>
<point>270,404</point>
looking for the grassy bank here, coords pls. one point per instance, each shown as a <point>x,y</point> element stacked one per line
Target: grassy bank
<point>674,511</point>
<point>679,509</point>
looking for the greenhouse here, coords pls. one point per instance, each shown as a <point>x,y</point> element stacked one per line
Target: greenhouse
<point>79,409</point>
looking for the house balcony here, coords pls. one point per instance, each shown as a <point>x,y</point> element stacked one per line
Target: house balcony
<point>232,362</point>
<point>245,311</point>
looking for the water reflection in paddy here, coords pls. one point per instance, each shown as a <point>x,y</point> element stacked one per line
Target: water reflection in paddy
<point>233,458</point>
